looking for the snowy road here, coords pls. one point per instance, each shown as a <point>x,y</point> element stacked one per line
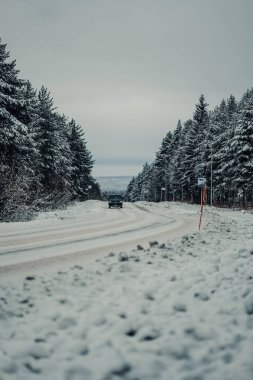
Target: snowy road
<point>181,310</point>
<point>91,229</point>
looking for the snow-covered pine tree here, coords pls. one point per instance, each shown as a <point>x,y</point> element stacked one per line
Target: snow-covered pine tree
<point>162,164</point>
<point>140,187</point>
<point>146,189</point>
<point>36,159</point>
<point>217,147</point>
<point>201,119</point>
<point>231,107</point>
<point>134,189</point>
<point>128,194</point>
<point>221,132</point>
<point>15,143</point>
<point>175,168</point>
<point>242,147</point>
<point>196,147</point>
<point>29,111</point>
<point>182,163</point>
<point>189,162</point>
<point>227,168</point>
<point>46,137</point>
<point>30,117</point>
<point>82,163</point>
<point>63,158</point>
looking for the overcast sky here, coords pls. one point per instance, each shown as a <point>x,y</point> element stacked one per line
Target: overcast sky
<point>127,70</point>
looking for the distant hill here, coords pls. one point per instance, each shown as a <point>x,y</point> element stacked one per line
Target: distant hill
<point>114,184</point>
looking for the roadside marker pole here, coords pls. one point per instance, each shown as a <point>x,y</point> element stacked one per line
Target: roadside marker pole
<point>202,205</point>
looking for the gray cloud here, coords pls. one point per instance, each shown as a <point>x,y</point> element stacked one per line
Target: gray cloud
<point>127,70</point>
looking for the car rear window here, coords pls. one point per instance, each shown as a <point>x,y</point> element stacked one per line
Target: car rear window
<point>115,198</point>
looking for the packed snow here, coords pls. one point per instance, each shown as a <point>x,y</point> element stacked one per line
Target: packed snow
<point>180,309</point>
<point>87,228</point>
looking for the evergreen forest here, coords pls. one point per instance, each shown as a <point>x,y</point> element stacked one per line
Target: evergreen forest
<point>216,145</point>
<point>44,159</point>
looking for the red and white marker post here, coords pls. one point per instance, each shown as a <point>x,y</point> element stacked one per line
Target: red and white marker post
<point>203,199</point>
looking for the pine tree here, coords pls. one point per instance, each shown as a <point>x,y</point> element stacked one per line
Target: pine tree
<point>162,164</point>
<point>222,126</point>
<point>13,133</point>
<point>242,146</point>
<point>15,143</point>
<point>227,168</point>
<point>177,172</point>
<point>189,162</point>
<point>146,191</point>
<point>196,147</point>
<point>44,162</point>
<point>82,162</point>
<point>63,156</point>
<point>221,140</point>
<point>201,120</point>
<point>200,115</point>
<point>218,128</point>
<point>129,190</point>
<point>46,137</point>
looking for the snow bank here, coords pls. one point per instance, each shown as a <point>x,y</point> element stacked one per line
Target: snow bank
<point>179,310</point>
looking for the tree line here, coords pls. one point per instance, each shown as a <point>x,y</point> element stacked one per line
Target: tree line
<point>44,159</point>
<point>216,144</point>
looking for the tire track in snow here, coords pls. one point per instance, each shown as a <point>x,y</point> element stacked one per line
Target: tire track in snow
<point>71,231</point>
<point>149,224</point>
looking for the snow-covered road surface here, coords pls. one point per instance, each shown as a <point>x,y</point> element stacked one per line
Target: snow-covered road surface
<point>182,310</point>
<point>90,228</point>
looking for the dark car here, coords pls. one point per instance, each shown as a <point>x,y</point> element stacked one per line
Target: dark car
<point>115,200</point>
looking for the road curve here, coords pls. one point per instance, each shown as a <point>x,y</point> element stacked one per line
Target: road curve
<point>101,231</point>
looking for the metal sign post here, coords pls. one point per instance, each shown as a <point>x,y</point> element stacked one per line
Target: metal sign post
<point>162,190</point>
